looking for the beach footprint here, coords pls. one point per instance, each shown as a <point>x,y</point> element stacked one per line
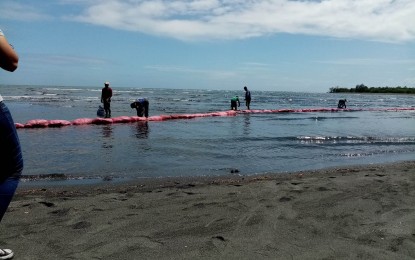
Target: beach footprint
<point>219,242</point>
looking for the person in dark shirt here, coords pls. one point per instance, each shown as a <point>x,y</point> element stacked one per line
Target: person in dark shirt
<point>106,95</point>
<point>342,103</point>
<point>247,97</point>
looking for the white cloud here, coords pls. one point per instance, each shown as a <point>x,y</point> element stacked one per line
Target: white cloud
<point>16,11</point>
<point>370,62</point>
<point>379,20</point>
<point>180,69</point>
<point>212,74</point>
<point>64,60</point>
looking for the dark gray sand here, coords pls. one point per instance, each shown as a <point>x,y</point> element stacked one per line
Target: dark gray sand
<point>361,212</point>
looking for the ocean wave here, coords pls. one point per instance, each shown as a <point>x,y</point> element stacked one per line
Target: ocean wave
<point>68,177</point>
<point>355,139</point>
<point>64,89</point>
<point>325,139</point>
<point>375,153</point>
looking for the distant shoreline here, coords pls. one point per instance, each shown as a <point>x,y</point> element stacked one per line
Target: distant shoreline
<point>373,90</point>
<point>151,183</point>
<point>372,93</point>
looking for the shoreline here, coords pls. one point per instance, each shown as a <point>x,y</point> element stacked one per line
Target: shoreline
<point>362,211</point>
<point>151,183</point>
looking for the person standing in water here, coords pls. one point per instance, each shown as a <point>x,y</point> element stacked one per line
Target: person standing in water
<point>11,160</point>
<point>247,97</point>
<point>234,102</point>
<point>106,95</point>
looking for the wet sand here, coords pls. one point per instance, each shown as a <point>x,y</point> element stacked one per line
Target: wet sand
<point>359,212</point>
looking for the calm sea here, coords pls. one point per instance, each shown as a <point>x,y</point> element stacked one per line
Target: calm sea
<point>247,143</point>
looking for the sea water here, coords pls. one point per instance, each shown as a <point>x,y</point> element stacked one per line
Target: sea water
<point>247,144</point>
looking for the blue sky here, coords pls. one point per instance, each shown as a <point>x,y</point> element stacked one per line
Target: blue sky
<point>280,45</point>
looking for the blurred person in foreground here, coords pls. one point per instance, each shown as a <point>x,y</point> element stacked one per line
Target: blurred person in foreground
<point>11,160</point>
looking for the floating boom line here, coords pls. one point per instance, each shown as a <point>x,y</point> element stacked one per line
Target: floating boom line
<point>42,123</point>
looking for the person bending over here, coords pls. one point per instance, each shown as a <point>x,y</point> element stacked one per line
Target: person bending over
<point>234,102</point>
<point>342,103</point>
<point>141,105</point>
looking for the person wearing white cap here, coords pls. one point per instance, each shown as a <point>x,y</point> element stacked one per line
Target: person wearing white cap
<point>106,95</point>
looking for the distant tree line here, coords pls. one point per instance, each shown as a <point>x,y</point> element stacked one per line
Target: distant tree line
<point>365,89</point>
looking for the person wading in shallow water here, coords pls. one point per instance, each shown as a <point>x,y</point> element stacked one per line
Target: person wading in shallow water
<point>342,103</point>
<point>247,97</point>
<point>235,103</point>
<point>11,160</point>
<point>141,105</point>
<point>106,95</point>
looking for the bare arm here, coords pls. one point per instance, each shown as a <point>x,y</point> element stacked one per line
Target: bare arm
<point>8,57</point>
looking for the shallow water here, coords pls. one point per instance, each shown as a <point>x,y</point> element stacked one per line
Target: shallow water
<point>247,143</point>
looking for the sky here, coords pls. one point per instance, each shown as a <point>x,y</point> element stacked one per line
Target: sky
<point>276,45</point>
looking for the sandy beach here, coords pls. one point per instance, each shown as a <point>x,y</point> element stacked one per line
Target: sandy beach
<point>357,212</point>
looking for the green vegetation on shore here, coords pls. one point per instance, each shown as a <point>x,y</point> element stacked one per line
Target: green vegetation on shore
<point>364,89</point>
